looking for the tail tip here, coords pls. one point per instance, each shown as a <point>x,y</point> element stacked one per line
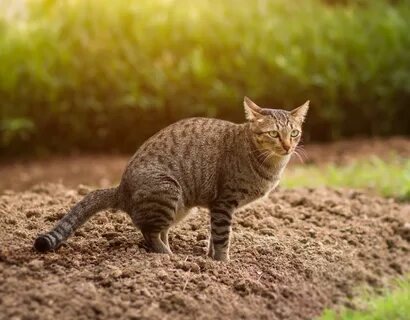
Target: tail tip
<point>42,244</point>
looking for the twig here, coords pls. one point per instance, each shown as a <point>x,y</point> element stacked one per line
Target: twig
<point>187,280</point>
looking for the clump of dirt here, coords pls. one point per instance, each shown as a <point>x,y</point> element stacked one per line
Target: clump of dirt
<point>293,254</point>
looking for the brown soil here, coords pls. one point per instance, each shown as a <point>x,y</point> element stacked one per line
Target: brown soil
<point>345,151</point>
<point>292,255</point>
<point>96,170</point>
<point>105,170</point>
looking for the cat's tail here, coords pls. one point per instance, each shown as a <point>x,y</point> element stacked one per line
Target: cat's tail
<point>92,203</point>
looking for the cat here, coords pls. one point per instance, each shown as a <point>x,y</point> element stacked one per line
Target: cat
<point>195,162</point>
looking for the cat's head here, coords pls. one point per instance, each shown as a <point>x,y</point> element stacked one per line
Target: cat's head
<point>276,130</point>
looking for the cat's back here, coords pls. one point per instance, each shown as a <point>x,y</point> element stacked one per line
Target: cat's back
<point>188,140</point>
<point>194,129</point>
<point>186,135</point>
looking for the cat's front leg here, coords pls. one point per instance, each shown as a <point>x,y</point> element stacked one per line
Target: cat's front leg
<point>221,225</point>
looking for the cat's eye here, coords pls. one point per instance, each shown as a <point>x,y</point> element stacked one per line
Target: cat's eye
<point>274,134</point>
<point>294,133</point>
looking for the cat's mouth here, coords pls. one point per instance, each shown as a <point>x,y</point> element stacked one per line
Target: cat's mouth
<point>284,152</point>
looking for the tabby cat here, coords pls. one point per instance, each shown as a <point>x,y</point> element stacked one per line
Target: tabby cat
<point>195,162</point>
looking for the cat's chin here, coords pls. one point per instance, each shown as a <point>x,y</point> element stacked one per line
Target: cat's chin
<point>282,153</point>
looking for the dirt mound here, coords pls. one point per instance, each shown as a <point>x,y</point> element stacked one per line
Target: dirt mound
<point>292,254</point>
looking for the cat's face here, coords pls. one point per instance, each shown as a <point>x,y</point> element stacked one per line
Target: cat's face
<point>276,130</point>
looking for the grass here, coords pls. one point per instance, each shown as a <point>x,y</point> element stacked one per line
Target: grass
<point>390,178</point>
<point>394,305</point>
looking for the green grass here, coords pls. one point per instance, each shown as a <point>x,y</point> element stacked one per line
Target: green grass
<point>387,177</point>
<point>394,305</point>
<point>103,74</point>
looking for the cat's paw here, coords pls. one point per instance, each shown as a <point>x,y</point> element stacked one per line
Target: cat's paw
<point>221,256</point>
<point>210,253</point>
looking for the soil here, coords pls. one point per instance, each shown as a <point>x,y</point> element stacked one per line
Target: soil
<point>105,170</point>
<point>344,151</point>
<point>292,254</point>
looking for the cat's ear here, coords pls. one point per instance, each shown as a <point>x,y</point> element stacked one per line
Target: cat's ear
<point>252,110</point>
<point>300,112</point>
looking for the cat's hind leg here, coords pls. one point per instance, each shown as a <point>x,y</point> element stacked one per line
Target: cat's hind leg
<point>154,222</point>
<point>164,237</point>
<point>153,211</point>
<point>155,243</point>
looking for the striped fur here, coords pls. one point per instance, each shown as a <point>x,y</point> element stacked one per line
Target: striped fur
<point>195,162</point>
<point>94,202</point>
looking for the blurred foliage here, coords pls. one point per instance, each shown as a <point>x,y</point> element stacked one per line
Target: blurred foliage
<point>390,178</point>
<point>105,75</point>
<point>393,305</point>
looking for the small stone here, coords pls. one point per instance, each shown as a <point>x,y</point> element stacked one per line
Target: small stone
<point>205,264</point>
<point>36,264</point>
<point>200,237</point>
<point>188,266</point>
<point>83,190</point>
<point>116,273</point>
<point>162,274</point>
<point>289,219</point>
<point>145,292</point>
<point>194,267</point>
<point>304,240</point>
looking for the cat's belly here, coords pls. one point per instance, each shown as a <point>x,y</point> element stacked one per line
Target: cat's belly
<point>259,193</point>
<point>181,214</point>
<point>182,211</point>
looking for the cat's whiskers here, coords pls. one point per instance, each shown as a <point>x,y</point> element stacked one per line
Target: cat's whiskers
<point>296,152</point>
<point>262,153</point>
<point>259,150</point>
<point>271,153</point>
<point>301,151</point>
<point>267,155</point>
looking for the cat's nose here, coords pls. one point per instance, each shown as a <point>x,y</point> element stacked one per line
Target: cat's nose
<point>286,147</point>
